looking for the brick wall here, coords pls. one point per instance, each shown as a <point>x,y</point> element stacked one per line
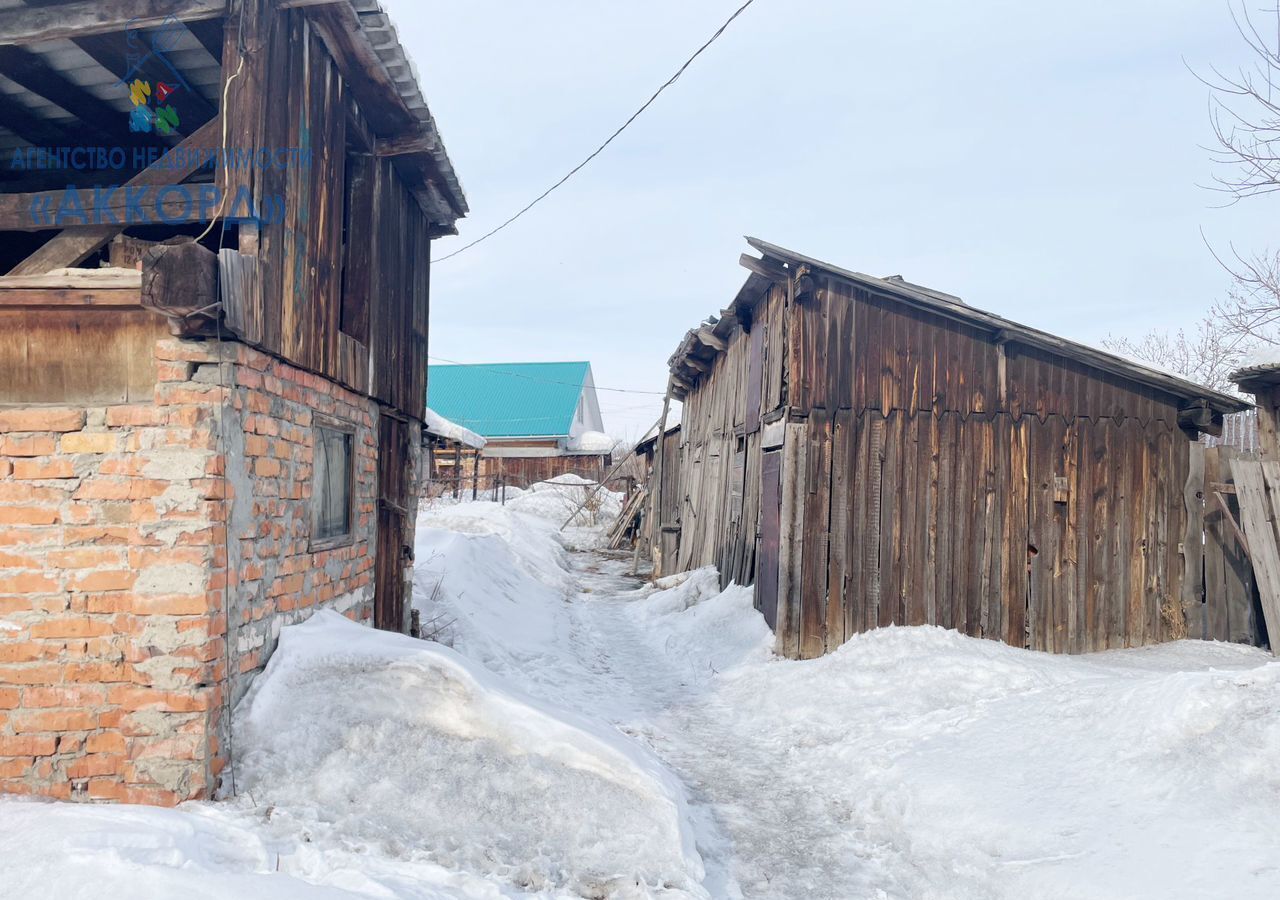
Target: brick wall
<point>111,549</point>
<point>115,527</point>
<point>276,578</point>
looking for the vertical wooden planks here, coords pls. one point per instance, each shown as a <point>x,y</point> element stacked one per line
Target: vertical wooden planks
<point>1015,534</point>
<point>790,572</point>
<point>1098,591</point>
<point>843,460</point>
<point>873,543</point>
<point>1258,490</point>
<point>890,549</point>
<point>816,526</point>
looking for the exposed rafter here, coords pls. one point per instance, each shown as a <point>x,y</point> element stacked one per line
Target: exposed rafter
<point>33,24</point>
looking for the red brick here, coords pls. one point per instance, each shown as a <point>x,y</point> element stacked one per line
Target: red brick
<point>105,580</point>
<point>15,651</point>
<point>15,768</point>
<point>89,442</point>
<point>136,698</point>
<point>28,745</point>
<point>8,698</point>
<point>37,418</point>
<point>106,742</point>
<point>27,445</point>
<point>266,468</point>
<point>54,720</point>
<point>26,492</point>
<point>78,627</point>
<point>94,765</point>
<point>72,695</point>
<point>138,414</point>
<point>106,789</point>
<point>85,558</point>
<point>28,583</point>
<point>29,515</point>
<point>43,468</point>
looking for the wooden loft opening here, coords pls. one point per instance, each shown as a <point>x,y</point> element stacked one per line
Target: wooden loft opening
<point>66,118</point>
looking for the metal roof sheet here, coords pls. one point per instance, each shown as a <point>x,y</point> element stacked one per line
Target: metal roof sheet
<point>508,400</point>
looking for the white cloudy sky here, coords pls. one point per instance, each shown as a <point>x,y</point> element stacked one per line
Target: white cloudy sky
<point>1043,161</point>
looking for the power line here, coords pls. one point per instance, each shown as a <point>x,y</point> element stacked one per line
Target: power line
<point>496,371</point>
<point>635,115</point>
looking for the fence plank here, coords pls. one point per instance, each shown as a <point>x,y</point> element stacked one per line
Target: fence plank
<point>1256,511</point>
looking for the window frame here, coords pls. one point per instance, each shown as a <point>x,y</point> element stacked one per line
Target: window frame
<point>315,544</point>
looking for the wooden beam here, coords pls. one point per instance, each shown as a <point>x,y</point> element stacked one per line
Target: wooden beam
<point>405,144</point>
<point>109,51</point>
<point>56,297</point>
<point>100,207</point>
<point>1231,520</point>
<point>709,339</point>
<point>209,32</point>
<point>181,282</point>
<point>32,72</point>
<point>33,24</point>
<point>72,247</point>
<point>31,128</point>
<point>763,267</point>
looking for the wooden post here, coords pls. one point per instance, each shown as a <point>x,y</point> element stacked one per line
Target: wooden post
<point>655,522</point>
<point>1193,588</point>
<point>457,471</point>
<point>791,540</point>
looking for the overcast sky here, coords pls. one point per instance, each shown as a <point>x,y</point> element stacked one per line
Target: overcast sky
<point>1042,161</point>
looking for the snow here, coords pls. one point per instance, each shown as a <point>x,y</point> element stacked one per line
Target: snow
<point>441,427</point>
<point>592,442</point>
<point>1263,354</point>
<point>414,751</point>
<point>575,732</point>
<point>912,762</point>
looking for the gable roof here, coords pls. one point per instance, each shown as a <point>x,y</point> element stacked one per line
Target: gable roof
<point>777,259</point>
<point>500,400</point>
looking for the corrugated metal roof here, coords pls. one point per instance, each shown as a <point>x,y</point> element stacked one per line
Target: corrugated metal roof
<point>506,400</point>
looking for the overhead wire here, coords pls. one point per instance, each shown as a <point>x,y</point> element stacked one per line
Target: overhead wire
<point>594,153</point>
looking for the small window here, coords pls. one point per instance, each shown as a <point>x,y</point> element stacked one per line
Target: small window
<point>331,494</point>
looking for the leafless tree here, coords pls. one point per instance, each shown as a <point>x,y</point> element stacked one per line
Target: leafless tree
<point>1207,355</point>
<point>1245,114</point>
<point>1245,110</point>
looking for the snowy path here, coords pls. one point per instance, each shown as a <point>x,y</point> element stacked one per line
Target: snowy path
<point>920,764</point>
<point>657,690</point>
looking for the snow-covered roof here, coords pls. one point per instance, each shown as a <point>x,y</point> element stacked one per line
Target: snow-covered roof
<point>441,427</point>
<point>592,442</point>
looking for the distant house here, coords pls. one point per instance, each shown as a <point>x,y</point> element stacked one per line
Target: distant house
<point>539,420</point>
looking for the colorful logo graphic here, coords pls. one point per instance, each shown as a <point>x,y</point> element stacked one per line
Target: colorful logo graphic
<point>163,118</point>
<point>145,53</point>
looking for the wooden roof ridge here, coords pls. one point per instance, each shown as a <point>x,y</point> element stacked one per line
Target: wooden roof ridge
<point>776,261</point>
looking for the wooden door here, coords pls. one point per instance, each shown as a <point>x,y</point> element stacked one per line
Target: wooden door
<point>770,536</point>
<point>394,554</point>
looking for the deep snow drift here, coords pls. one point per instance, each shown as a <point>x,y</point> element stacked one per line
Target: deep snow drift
<point>586,735</point>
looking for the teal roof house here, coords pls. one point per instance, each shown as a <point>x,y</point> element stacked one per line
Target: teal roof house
<point>549,407</point>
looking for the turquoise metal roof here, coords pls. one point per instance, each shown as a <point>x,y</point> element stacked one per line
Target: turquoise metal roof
<point>498,400</point>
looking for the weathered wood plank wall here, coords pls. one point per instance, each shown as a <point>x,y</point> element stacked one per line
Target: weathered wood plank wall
<point>947,478</point>
<point>340,291</point>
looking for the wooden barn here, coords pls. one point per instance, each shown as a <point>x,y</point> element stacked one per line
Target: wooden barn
<point>218,220</point>
<point>869,452</point>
